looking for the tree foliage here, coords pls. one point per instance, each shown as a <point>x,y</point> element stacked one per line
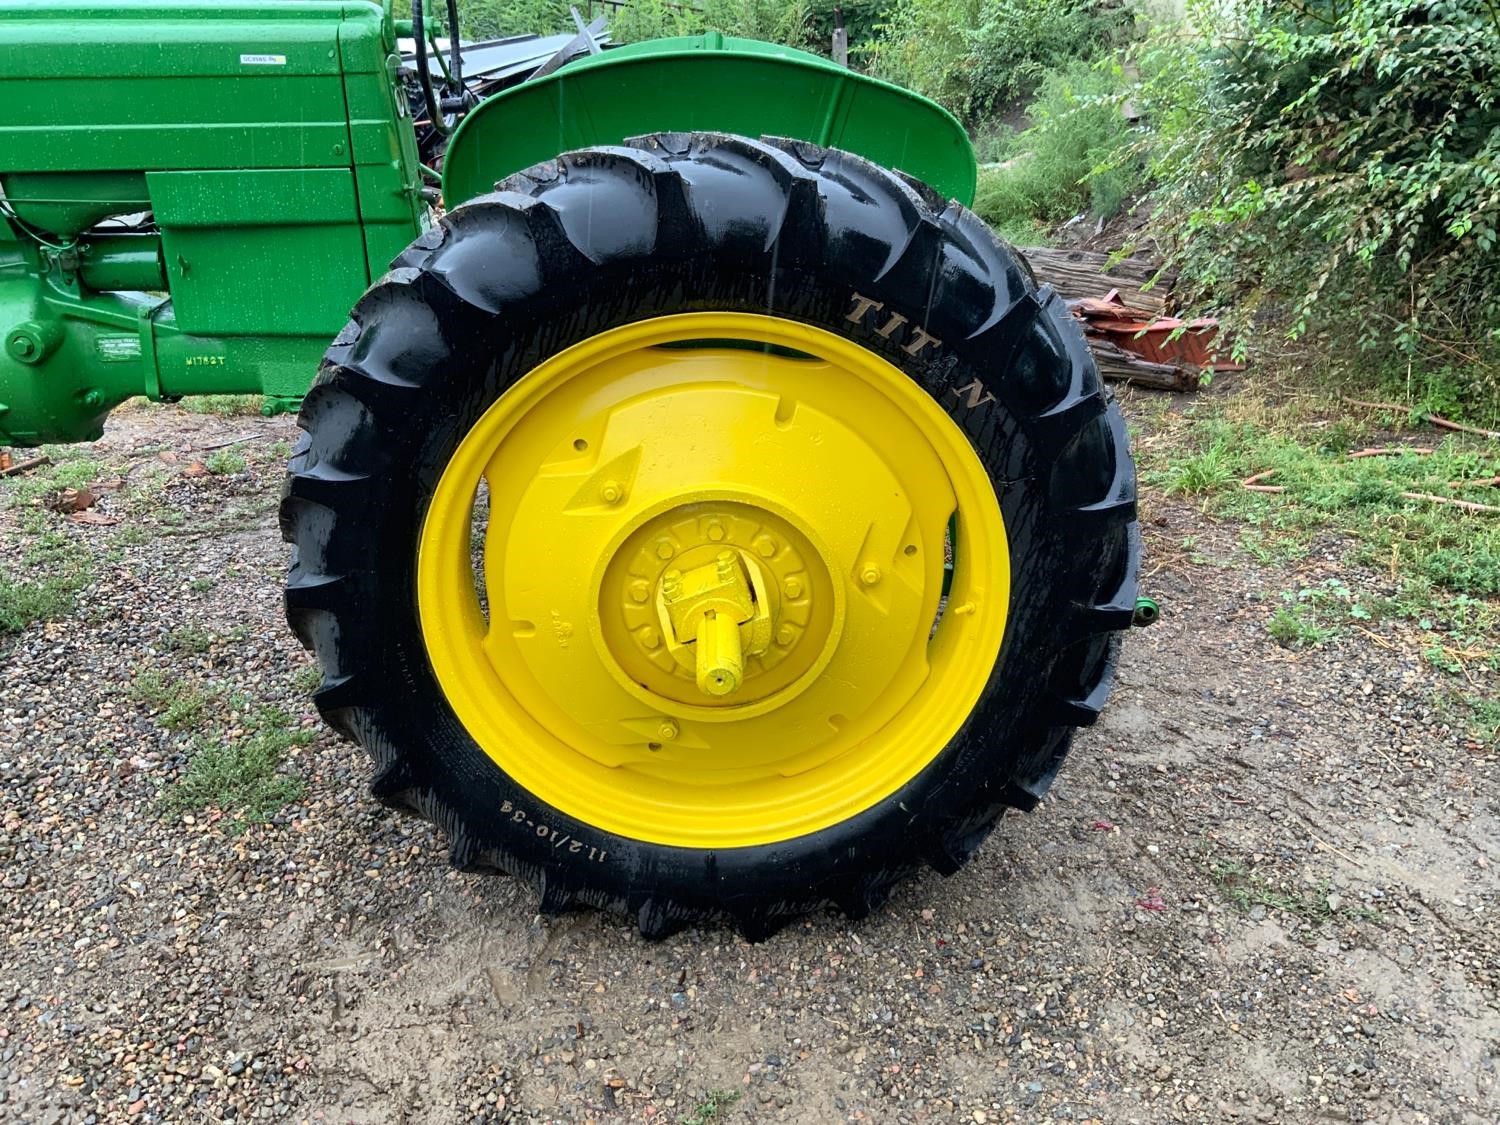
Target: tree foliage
<point>1078,156</point>
<point>775,21</point>
<point>976,56</point>
<point>1340,158</point>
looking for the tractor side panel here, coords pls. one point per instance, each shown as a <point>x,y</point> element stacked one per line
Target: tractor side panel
<point>288,242</point>
<point>194,195</point>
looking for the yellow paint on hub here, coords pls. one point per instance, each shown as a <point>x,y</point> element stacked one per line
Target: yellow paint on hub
<point>821,472</point>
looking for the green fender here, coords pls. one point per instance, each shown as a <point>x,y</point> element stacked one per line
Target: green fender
<point>707,83</point>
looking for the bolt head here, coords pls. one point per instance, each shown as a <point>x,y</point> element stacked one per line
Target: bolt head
<point>870,574</point>
<point>612,492</point>
<point>765,547</point>
<point>639,592</point>
<point>716,531</point>
<point>785,636</point>
<point>665,550</point>
<point>667,731</point>
<point>650,637</point>
<point>23,346</point>
<point>794,587</point>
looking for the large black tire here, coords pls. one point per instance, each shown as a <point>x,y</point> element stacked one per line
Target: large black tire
<point>683,222</point>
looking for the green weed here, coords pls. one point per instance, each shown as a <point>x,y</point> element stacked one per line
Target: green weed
<point>180,704</point>
<point>225,405</point>
<point>26,602</point>
<point>1205,471</point>
<point>1245,889</point>
<point>190,638</point>
<point>1484,721</point>
<point>224,462</point>
<point>711,1107</point>
<point>1293,626</point>
<point>54,570</point>
<point>242,775</point>
<point>69,469</point>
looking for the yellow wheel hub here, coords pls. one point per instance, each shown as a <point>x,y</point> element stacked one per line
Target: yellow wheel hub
<point>688,591</point>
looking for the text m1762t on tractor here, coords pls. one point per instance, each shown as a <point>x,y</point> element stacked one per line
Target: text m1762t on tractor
<point>707,517</point>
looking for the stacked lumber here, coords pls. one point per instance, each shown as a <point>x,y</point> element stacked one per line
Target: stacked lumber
<point>1077,274</point>
<point>1084,276</point>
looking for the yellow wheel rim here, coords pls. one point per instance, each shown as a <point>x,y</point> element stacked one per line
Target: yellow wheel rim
<point>702,607</point>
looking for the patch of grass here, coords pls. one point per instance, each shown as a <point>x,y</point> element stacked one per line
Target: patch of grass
<point>226,405</point>
<point>1443,562</point>
<point>1272,551</point>
<point>180,704</point>
<point>201,585</point>
<point>1292,626</point>
<point>50,548</point>
<point>711,1107</point>
<point>1484,721</point>
<point>54,569</point>
<point>241,775</point>
<point>224,462</point>
<point>190,638</point>
<point>28,601</point>
<point>307,678</point>
<point>1204,471</point>
<point>151,687</point>
<point>69,469</point>
<point>1245,889</point>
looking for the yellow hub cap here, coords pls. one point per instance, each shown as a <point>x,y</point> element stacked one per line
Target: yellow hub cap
<point>691,592</point>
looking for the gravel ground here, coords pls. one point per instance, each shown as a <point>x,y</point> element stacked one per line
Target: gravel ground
<point>1265,887</point>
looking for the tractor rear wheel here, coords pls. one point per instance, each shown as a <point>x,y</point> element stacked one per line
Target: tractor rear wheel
<point>710,528</point>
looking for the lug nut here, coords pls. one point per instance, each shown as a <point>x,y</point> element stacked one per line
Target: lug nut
<point>639,591</point>
<point>612,492</point>
<point>764,547</point>
<point>664,549</point>
<point>793,587</point>
<point>785,636</point>
<point>667,731</point>
<point>650,638</point>
<point>716,531</point>
<point>870,574</point>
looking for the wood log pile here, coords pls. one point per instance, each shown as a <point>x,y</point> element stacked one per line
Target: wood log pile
<point>1080,275</point>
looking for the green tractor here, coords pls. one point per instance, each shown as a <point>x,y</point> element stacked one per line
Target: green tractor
<point>704,518</point>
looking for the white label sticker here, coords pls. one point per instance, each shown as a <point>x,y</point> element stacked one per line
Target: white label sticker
<point>263,60</point>
<point>118,348</point>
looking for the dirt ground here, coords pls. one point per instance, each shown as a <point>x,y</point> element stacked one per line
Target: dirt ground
<point>1266,887</point>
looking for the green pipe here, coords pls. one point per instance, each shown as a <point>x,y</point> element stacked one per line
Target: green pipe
<point>122,263</point>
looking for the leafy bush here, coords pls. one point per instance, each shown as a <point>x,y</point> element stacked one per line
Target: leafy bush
<point>776,21</point>
<point>1079,155</point>
<point>975,56</point>
<point>1339,159</point>
<point>491,19</point>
